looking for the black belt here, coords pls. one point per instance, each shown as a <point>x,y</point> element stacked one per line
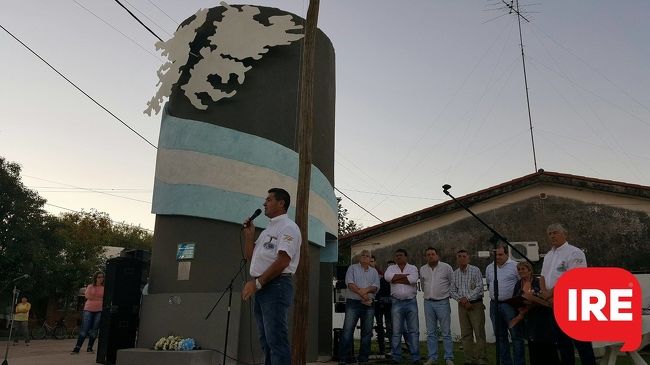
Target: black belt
<point>286,274</point>
<point>476,301</point>
<point>436,300</point>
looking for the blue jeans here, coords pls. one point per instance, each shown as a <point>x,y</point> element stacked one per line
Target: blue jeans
<point>355,310</point>
<point>405,311</point>
<point>438,311</point>
<point>89,327</point>
<point>506,314</point>
<point>271,308</point>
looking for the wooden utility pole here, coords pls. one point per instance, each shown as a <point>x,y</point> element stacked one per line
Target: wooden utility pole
<point>301,297</point>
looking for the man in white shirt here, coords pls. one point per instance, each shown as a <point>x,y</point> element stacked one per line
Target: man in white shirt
<point>507,277</point>
<point>402,278</point>
<point>561,258</point>
<point>435,276</point>
<point>467,289</point>
<point>363,282</point>
<point>274,258</point>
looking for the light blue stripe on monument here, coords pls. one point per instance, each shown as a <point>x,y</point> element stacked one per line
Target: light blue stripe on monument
<point>189,135</point>
<point>214,203</point>
<point>330,253</point>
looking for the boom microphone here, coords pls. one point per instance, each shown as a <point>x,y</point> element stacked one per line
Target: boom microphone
<point>250,219</point>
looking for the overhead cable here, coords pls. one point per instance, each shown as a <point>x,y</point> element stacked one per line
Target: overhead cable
<point>78,88</point>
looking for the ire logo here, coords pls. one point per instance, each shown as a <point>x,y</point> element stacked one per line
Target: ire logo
<point>599,304</point>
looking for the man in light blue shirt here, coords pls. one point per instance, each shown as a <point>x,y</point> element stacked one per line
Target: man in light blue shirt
<point>507,277</point>
<point>363,282</point>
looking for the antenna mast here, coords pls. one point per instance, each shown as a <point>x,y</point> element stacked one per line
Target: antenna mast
<point>514,8</point>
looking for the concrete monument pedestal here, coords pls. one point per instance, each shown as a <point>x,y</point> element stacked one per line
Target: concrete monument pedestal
<point>148,356</point>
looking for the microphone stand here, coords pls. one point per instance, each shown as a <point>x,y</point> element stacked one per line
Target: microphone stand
<point>242,265</point>
<point>11,327</point>
<point>496,237</point>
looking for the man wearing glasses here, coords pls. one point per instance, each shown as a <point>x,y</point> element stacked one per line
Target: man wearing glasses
<point>363,281</point>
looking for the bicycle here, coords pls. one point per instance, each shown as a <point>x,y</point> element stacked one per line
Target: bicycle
<point>58,331</point>
<point>74,331</point>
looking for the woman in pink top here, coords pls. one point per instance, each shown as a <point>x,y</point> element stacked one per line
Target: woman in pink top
<point>92,313</point>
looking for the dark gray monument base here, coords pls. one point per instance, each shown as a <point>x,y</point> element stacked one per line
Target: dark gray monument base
<point>148,356</point>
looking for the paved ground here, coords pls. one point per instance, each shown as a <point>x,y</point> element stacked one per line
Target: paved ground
<point>45,352</point>
<point>50,352</point>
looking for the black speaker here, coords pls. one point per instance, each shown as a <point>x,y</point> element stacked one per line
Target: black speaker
<point>121,308</point>
<point>142,255</point>
<point>340,272</point>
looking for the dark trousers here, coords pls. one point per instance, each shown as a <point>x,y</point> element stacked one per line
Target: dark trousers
<point>384,327</point>
<point>542,353</point>
<point>565,345</point>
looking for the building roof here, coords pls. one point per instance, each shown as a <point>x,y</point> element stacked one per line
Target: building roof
<point>548,177</point>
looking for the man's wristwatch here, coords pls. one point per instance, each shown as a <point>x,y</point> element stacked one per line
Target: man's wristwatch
<point>258,285</point>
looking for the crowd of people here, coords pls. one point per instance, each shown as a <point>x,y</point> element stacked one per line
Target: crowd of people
<point>520,309</point>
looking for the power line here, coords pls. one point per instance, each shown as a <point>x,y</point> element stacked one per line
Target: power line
<point>125,190</point>
<point>162,11</point>
<point>86,213</point>
<point>151,20</point>
<point>117,30</point>
<point>357,204</point>
<point>77,87</point>
<point>139,21</point>
<point>87,189</point>
<point>392,195</point>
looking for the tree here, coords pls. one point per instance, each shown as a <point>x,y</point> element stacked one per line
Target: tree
<point>346,225</point>
<point>60,254</point>
<point>22,223</point>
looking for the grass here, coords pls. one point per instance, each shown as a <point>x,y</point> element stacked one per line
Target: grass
<point>459,355</point>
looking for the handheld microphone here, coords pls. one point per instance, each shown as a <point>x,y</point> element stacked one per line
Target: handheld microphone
<point>250,219</point>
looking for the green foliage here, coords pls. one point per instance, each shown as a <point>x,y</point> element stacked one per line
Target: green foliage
<point>346,225</point>
<point>22,224</point>
<point>59,253</point>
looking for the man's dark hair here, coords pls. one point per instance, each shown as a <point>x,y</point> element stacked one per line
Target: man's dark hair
<point>431,248</point>
<point>402,251</point>
<point>373,257</point>
<point>281,194</point>
<point>462,250</point>
<point>503,246</point>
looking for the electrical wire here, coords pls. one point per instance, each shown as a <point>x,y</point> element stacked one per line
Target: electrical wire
<point>86,213</point>
<point>77,87</point>
<point>357,204</point>
<point>139,21</point>
<point>162,11</point>
<point>88,189</point>
<point>119,31</point>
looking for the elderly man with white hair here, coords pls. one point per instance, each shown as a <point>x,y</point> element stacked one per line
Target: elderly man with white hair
<point>561,258</point>
<point>363,281</point>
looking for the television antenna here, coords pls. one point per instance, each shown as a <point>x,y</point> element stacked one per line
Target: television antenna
<point>513,8</point>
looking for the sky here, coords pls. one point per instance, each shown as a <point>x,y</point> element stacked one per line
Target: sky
<point>427,93</point>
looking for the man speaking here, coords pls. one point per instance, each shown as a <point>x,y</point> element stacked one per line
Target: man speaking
<point>274,258</point>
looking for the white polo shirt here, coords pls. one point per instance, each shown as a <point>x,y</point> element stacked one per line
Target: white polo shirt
<point>282,234</point>
<point>402,291</point>
<point>436,281</point>
<point>560,260</point>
